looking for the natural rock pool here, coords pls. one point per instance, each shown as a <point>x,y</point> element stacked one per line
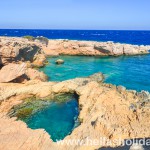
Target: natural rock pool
<point>57,117</point>
<point>130,71</point>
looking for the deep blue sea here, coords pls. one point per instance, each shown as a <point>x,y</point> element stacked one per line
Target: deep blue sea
<point>131,37</point>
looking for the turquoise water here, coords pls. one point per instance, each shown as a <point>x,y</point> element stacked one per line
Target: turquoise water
<point>132,72</point>
<point>58,119</point>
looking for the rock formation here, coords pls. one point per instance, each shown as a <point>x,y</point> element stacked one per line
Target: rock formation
<point>20,73</point>
<point>68,47</point>
<point>18,49</point>
<point>34,74</point>
<point>59,61</point>
<point>105,112</point>
<point>12,71</point>
<point>16,56</point>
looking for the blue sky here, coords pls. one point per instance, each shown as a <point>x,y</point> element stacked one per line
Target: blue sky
<point>75,14</point>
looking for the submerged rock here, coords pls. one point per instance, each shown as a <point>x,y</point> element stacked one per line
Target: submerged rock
<point>98,77</point>
<point>59,61</point>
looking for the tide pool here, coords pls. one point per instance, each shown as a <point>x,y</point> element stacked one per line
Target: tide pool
<point>133,72</point>
<point>58,119</point>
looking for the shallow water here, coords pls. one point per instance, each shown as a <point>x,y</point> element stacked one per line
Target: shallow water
<point>132,72</point>
<point>57,118</point>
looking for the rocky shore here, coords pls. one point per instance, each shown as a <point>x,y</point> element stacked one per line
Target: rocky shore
<point>88,48</point>
<point>18,59</point>
<point>106,111</point>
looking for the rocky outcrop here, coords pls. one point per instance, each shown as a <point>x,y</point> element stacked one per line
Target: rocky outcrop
<point>104,113</point>
<point>98,77</point>
<point>39,60</point>
<point>68,47</point>
<point>17,55</point>
<point>11,72</point>
<point>59,61</point>
<point>18,49</point>
<point>19,73</point>
<point>34,74</point>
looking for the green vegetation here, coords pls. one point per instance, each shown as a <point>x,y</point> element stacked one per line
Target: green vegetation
<point>40,39</point>
<point>33,104</point>
<point>60,98</point>
<point>23,113</point>
<point>43,40</point>
<point>30,38</point>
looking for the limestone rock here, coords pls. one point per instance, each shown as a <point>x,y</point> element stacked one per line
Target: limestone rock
<point>11,72</point>
<point>17,49</point>
<point>34,74</point>
<point>98,77</point>
<point>104,112</point>
<point>91,48</point>
<point>59,61</point>
<point>121,88</point>
<point>39,61</point>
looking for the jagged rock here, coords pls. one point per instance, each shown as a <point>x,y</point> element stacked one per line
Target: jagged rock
<point>34,74</point>
<point>42,40</point>
<point>102,48</point>
<point>39,61</point>
<point>14,49</point>
<point>18,49</point>
<point>59,61</point>
<point>11,72</point>
<point>103,110</point>
<point>19,73</point>
<point>121,88</point>
<point>90,48</point>
<point>104,113</point>
<point>143,95</point>
<point>98,77</point>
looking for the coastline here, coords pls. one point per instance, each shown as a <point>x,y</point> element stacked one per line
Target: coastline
<point>100,102</point>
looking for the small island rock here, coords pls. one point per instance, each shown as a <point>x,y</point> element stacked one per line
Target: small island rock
<point>59,61</point>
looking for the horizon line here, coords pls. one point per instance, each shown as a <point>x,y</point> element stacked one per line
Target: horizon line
<point>77,29</point>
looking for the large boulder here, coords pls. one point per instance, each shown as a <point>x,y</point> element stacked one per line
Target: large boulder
<point>34,74</point>
<point>39,61</point>
<point>59,61</point>
<point>11,72</point>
